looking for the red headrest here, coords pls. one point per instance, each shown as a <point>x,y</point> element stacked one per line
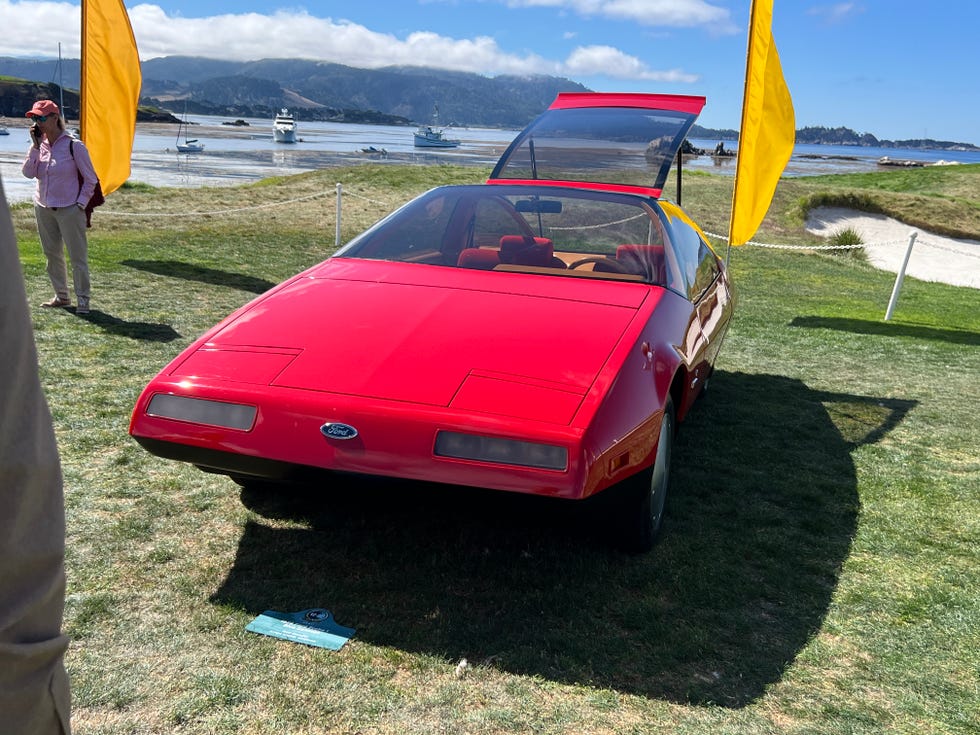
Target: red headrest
<point>481,258</point>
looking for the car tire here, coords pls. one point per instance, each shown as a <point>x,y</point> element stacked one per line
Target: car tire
<point>646,494</point>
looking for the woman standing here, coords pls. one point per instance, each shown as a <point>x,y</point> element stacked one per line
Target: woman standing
<point>66,180</point>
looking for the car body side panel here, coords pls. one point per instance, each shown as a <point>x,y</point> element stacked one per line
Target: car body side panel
<point>622,434</point>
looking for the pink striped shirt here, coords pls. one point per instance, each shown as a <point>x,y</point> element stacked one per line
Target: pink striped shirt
<point>57,173</point>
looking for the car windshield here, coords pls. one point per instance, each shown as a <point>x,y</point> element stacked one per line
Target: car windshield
<point>545,230</point>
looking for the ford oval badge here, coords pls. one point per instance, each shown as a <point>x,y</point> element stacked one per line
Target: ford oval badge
<point>338,431</point>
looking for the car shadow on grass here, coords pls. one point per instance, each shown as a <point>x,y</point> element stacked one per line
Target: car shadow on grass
<point>763,510</point>
<point>194,272</point>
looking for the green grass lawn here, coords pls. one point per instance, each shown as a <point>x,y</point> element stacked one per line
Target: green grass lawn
<point>819,569</point>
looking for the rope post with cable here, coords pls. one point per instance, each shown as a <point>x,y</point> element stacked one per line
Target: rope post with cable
<point>340,189</point>
<point>901,277</point>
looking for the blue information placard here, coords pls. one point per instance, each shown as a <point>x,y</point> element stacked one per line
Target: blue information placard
<point>314,627</point>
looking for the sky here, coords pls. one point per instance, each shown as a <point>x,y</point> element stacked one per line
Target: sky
<point>894,68</point>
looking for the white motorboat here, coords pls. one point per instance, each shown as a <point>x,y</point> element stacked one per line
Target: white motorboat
<point>284,127</point>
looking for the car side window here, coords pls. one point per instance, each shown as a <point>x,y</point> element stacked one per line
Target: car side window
<point>697,264</point>
<point>419,232</point>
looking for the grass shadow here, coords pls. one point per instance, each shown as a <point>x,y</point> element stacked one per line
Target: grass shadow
<point>144,331</point>
<point>888,329</point>
<point>193,272</point>
<point>763,509</point>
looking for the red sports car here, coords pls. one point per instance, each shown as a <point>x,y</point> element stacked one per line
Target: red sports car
<point>541,333</point>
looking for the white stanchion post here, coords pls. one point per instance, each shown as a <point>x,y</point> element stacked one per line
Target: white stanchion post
<point>340,189</point>
<point>901,277</point>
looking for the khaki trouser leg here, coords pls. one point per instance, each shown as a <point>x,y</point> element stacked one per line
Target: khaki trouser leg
<point>72,222</point>
<point>59,229</point>
<point>54,249</point>
<point>34,691</point>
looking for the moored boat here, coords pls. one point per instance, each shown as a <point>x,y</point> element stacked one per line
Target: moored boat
<point>427,136</point>
<point>900,162</point>
<point>192,145</point>
<point>284,127</point>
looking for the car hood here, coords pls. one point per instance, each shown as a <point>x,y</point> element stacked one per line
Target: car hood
<point>514,344</point>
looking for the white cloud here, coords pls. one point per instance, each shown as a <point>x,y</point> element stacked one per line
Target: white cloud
<point>35,28</point>
<point>672,13</point>
<point>836,13</point>
<point>611,62</point>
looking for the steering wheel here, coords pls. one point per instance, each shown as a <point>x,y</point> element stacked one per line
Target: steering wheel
<point>615,265</point>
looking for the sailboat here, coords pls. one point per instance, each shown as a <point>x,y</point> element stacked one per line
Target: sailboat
<point>189,145</point>
<point>59,70</point>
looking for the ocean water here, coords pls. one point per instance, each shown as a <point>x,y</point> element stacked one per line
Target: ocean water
<point>235,155</point>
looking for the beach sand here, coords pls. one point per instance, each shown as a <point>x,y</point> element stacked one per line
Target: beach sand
<point>934,257</point>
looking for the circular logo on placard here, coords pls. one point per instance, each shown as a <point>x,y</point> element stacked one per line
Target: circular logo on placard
<point>318,615</point>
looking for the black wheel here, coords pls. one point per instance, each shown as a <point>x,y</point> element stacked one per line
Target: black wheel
<point>646,495</point>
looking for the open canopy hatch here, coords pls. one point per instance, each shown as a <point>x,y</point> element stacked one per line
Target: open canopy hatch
<point>614,141</point>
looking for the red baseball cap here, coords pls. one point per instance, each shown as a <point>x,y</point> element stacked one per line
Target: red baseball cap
<point>43,108</point>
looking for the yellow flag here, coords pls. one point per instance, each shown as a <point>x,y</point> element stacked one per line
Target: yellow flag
<point>768,130</point>
<point>111,82</point>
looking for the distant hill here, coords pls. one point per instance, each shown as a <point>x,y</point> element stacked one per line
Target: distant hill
<point>410,93</point>
<point>846,136</point>
<point>322,91</point>
<point>315,90</point>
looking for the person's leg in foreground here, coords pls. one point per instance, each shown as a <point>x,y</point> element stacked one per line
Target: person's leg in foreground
<point>34,692</point>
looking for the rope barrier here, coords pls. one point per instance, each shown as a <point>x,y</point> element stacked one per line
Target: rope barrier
<point>599,226</point>
<point>367,199</point>
<point>859,246</point>
<point>937,246</point>
<point>773,246</point>
<point>236,210</point>
<point>211,213</point>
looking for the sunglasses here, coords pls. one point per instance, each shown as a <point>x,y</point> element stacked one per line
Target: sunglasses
<point>40,118</point>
